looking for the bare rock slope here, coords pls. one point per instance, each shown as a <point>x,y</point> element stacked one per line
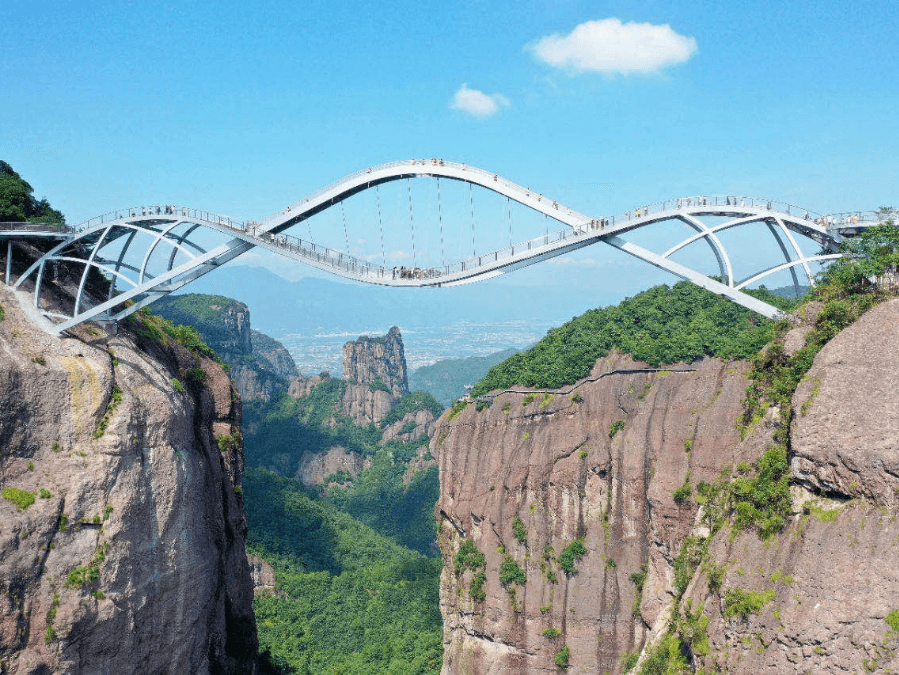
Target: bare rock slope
<point>121,529</point>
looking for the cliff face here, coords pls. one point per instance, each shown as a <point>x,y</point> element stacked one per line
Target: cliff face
<point>372,360</point>
<point>833,573</point>
<point>827,581</point>
<point>121,530</point>
<point>261,368</point>
<point>550,462</point>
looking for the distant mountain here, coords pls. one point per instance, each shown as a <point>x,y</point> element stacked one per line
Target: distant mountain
<point>446,380</point>
<point>313,305</point>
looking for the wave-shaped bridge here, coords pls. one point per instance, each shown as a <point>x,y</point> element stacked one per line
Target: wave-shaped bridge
<point>146,252</point>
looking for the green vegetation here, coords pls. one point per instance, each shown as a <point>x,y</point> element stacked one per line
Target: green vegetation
<point>63,523</point>
<point>45,493</point>
<point>616,427</point>
<point>692,628</point>
<point>380,498</point>
<point>115,398</point>
<point>510,572</point>
<point>20,498</point>
<point>377,385</point>
<point>684,492</point>
<point>50,635</point>
<point>410,403</point>
<point>2,313</point>
<point>158,329</point>
<point>286,424</point>
<point>629,660</point>
<point>639,580</point>
<point>468,557</point>
<point>229,442</point>
<point>176,383</point>
<point>197,375</point>
<point>518,530</point>
<point>562,657</point>
<point>348,600</point>
<point>457,408</point>
<point>666,658</point>
<point>551,632</point>
<point>846,293</point>
<point>762,501</point>
<point>738,602</point>
<point>691,553</point>
<point>17,202</point>
<point>661,325</point>
<point>83,576</point>
<point>446,380</point>
<point>574,551</point>
<point>892,620</point>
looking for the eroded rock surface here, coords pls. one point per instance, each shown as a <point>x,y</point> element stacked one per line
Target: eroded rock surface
<point>131,556</point>
<point>370,361</point>
<point>548,460</point>
<point>826,583</point>
<point>845,436</point>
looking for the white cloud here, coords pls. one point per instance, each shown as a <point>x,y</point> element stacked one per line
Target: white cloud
<point>609,46</point>
<point>477,103</point>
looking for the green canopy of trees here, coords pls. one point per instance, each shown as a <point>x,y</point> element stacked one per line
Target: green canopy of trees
<point>17,202</point>
<point>659,326</point>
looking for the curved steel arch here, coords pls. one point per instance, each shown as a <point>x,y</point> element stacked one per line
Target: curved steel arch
<point>161,223</point>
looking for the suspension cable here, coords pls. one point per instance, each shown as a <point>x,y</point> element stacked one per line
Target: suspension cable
<point>474,252</point>
<point>509,206</point>
<point>381,225</point>
<point>440,219</point>
<point>346,236</point>
<point>411,221</point>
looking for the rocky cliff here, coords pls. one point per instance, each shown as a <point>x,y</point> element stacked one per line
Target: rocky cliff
<point>121,525</point>
<point>572,531</point>
<point>376,360</point>
<point>261,368</point>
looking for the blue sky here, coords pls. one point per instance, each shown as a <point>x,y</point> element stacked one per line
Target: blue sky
<point>243,107</point>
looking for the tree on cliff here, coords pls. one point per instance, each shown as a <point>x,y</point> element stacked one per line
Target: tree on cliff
<point>865,257</point>
<point>17,202</point>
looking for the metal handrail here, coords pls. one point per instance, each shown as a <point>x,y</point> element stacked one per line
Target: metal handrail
<point>35,227</point>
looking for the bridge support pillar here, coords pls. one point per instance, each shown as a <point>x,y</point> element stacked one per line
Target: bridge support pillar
<point>8,260</point>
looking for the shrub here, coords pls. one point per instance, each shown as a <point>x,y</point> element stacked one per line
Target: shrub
<point>468,557</point>
<point>684,492</point>
<point>562,657</point>
<point>457,408</point>
<point>510,572</point>
<point>2,313</point>
<point>518,530</point>
<point>574,551</point>
<point>738,602</point>
<point>687,560</point>
<point>45,494</point>
<point>176,383</point>
<point>616,427</point>
<point>551,632</point>
<point>892,620</point>
<point>198,375</point>
<point>762,502</point>
<point>476,587</point>
<point>577,398</point>
<point>39,359</point>
<point>115,398</point>
<point>20,498</point>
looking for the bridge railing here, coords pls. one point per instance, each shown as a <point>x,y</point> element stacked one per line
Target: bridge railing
<point>34,227</point>
<point>164,211</point>
<point>485,176</point>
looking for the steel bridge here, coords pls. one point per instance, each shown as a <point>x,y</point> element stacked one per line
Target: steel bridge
<point>121,244</point>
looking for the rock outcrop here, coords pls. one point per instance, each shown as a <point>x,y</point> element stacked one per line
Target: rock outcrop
<point>542,470</point>
<point>122,527</point>
<point>261,367</point>
<point>371,361</point>
<point>314,469</point>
